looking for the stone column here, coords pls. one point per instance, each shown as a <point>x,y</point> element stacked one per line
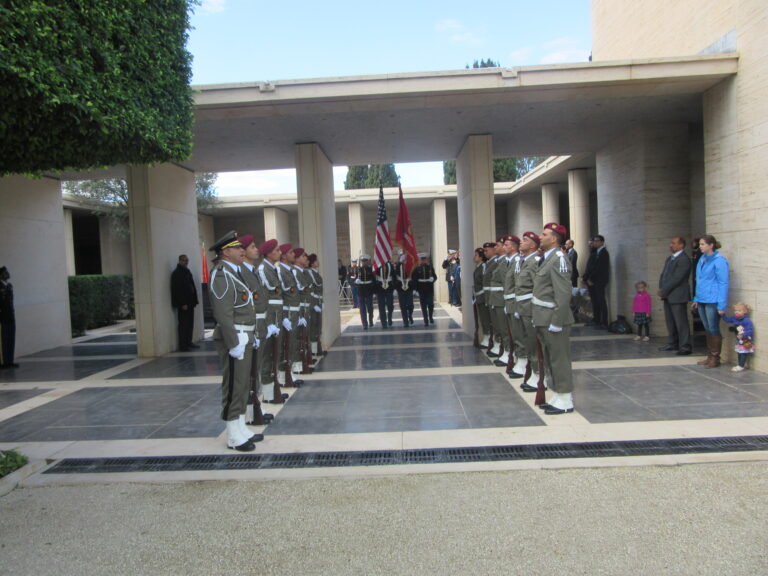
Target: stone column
<point>439,247</point>
<point>115,250</point>
<point>69,241</point>
<point>317,227</point>
<point>477,218</point>
<point>34,249</point>
<point>524,213</point>
<point>163,219</point>
<point>550,204</point>
<point>276,225</point>
<point>578,209</point>
<point>356,229</point>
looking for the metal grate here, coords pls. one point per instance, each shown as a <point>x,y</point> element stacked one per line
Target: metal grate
<point>399,457</point>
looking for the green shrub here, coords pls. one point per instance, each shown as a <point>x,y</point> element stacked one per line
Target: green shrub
<point>10,460</point>
<point>96,301</point>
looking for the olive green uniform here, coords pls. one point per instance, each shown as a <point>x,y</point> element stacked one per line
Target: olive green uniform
<point>528,266</point>
<point>270,281</point>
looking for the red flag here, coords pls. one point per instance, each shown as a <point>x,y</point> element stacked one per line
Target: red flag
<point>382,249</point>
<point>404,236</point>
<point>204,261</point>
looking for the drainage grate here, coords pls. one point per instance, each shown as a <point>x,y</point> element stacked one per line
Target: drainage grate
<point>425,456</point>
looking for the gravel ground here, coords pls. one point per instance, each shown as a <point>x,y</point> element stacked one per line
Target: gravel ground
<point>697,519</point>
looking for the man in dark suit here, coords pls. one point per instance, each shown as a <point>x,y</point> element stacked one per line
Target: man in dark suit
<point>573,258</point>
<point>675,291</point>
<point>184,299</point>
<point>596,276</point>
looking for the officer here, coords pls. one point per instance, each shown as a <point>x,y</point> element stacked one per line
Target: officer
<point>365,289</point>
<point>269,351</point>
<point>7,321</point>
<point>232,303</point>
<point>553,319</point>
<point>423,278</point>
<point>404,289</point>
<point>385,278</point>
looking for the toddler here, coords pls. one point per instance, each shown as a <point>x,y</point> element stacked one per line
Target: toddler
<point>744,330</point>
<point>641,308</point>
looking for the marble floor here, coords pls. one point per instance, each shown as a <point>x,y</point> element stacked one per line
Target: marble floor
<point>415,386</point>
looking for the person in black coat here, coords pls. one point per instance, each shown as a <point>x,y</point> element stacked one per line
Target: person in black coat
<point>597,275</point>
<point>7,321</point>
<point>573,258</point>
<point>675,292</point>
<point>184,299</point>
<point>423,279</point>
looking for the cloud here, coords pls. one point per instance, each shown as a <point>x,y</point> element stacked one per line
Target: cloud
<point>559,42</point>
<point>211,6</point>
<point>448,25</point>
<point>519,56</point>
<point>458,33</point>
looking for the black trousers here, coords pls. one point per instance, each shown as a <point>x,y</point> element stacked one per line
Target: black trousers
<point>7,342</point>
<point>676,316</point>
<point>599,304</point>
<point>186,322</point>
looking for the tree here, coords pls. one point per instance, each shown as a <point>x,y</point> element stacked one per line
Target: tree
<point>371,176</point>
<point>504,169</point>
<point>108,199</point>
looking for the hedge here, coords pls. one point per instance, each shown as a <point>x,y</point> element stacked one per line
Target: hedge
<point>10,461</point>
<point>96,301</point>
<point>87,83</point>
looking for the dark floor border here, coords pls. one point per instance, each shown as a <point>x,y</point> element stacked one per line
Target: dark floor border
<point>419,456</point>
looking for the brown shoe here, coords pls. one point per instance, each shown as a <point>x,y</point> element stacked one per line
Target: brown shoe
<point>715,349</point>
<point>706,360</point>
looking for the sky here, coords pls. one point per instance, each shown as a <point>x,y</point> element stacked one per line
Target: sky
<point>266,40</point>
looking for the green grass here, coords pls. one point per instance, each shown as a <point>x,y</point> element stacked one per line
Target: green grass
<point>10,460</point>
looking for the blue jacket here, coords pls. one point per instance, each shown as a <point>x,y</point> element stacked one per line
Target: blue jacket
<point>744,322</point>
<point>712,276</point>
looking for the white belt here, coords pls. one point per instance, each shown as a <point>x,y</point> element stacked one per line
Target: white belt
<point>478,293</point>
<point>304,304</point>
<point>509,296</point>
<point>290,308</point>
<point>495,288</point>
<point>427,280</point>
<point>315,295</point>
<point>261,316</point>
<point>245,327</point>
<point>542,303</point>
<point>524,297</point>
<point>279,302</point>
<point>365,282</point>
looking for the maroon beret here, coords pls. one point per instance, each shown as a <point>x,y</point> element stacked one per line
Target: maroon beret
<point>489,245</point>
<point>298,251</point>
<point>511,238</point>
<point>555,227</point>
<point>532,236</point>
<point>312,258</point>
<point>246,240</point>
<point>285,248</point>
<point>268,246</point>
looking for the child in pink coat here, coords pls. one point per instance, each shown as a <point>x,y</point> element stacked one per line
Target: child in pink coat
<point>641,308</point>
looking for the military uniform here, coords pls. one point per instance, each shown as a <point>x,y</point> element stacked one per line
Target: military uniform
<point>291,309</point>
<point>423,278</point>
<point>495,300</point>
<point>483,314</point>
<point>385,277</point>
<point>260,298</point>
<point>269,350</point>
<point>527,268</point>
<point>316,308</point>
<point>404,289</point>
<point>513,321</point>
<point>551,309</point>
<point>490,266</point>
<point>365,288</point>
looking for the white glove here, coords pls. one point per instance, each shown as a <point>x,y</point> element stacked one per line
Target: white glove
<point>256,342</point>
<point>302,322</point>
<point>474,301</point>
<point>574,292</point>
<point>517,315</point>
<point>238,352</point>
<point>287,324</point>
<point>318,309</point>
<point>272,330</point>
<point>553,328</point>
<point>432,280</point>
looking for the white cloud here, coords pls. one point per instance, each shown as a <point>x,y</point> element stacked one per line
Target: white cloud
<point>213,6</point>
<point>258,182</point>
<point>448,25</point>
<point>519,56</point>
<point>466,38</point>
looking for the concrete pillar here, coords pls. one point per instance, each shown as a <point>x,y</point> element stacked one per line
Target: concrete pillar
<point>69,242</point>
<point>524,213</point>
<point>34,249</point>
<point>356,229</point>
<point>207,238</point>
<point>439,247</point>
<point>477,218</point>
<point>115,250</point>
<point>550,204</point>
<point>643,200</point>
<point>578,209</point>
<point>276,225</point>
<point>317,227</point>
<point>163,218</point>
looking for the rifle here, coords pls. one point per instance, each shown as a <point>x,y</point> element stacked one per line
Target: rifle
<point>320,334</point>
<point>253,394</point>
<point>278,394</point>
<point>511,351</point>
<point>476,341</point>
<point>289,383</point>
<point>306,352</point>
<point>540,390</point>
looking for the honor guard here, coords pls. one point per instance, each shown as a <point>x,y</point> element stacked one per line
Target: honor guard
<point>404,289</point>
<point>553,319</point>
<point>483,314</point>
<point>385,277</point>
<point>490,265</point>
<point>365,289</point>
<point>495,300</point>
<point>517,357</point>
<point>316,307</point>
<point>423,278</point>
<point>291,309</point>
<point>304,282</point>
<point>269,351</point>
<point>232,303</point>
<point>527,266</point>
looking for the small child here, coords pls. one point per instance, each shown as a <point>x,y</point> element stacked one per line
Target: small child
<point>641,308</point>
<point>744,330</point>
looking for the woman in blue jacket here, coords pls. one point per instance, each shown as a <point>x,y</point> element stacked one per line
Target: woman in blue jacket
<point>711,299</point>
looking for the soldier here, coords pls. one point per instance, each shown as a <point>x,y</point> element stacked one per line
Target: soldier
<point>291,309</point>
<point>495,300</point>
<point>404,292</point>
<point>553,319</point>
<point>254,414</point>
<point>423,278</point>
<point>232,304</point>
<point>365,288</point>
<point>304,283</point>
<point>492,261</point>
<point>269,351</point>
<point>527,266</point>
<point>385,277</point>
<point>316,306</point>
<point>7,321</point>
<point>519,357</point>
<point>482,320</point>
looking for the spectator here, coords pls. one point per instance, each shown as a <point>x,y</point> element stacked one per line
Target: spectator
<point>711,299</point>
<point>7,321</point>
<point>184,299</point>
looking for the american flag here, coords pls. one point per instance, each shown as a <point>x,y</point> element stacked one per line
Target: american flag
<point>382,250</point>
